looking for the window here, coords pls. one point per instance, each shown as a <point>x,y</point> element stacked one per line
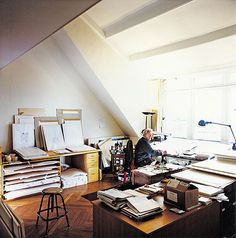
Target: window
<point>209,96</point>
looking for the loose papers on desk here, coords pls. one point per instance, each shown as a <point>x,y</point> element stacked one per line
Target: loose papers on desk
<point>158,169</point>
<point>141,208</point>
<point>215,180</point>
<point>114,198</point>
<point>218,166</point>
<point>150,189</point>
<point>207,190</point>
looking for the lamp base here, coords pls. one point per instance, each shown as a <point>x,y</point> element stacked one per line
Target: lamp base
<point>234,146</point>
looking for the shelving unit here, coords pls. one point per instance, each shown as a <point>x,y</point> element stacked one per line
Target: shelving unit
<point>24,178</point>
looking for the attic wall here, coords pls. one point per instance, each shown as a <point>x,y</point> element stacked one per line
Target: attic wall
<point>45,78</point>
<point>125,86</point>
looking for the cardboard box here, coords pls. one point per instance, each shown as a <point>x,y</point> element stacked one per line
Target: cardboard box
<point>181,194</point>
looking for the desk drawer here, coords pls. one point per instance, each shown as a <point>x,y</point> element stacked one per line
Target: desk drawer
<point>92,155</point>
<point>92,162</point>
<point>92,175</point>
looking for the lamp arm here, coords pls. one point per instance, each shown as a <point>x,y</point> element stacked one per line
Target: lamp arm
<point>232,133</point>
<point>221,124</point>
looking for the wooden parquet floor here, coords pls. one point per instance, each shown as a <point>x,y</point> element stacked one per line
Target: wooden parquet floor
<point>79,212</point>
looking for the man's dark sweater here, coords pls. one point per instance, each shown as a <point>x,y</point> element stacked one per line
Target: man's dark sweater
<point>144,153</point>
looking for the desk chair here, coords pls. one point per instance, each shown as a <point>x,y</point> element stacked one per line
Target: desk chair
<point>129,158</point>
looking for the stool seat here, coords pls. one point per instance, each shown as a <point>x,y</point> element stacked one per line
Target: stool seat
<point>52,190</point>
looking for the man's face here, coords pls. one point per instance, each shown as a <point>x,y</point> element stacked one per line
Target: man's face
<point>148,136</point>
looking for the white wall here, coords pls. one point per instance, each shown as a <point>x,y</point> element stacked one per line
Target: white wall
<point>127,88</point>
<point>45,78</point>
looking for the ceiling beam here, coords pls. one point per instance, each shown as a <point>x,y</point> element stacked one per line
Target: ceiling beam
<point>146,12</point>
<point>205,38</point>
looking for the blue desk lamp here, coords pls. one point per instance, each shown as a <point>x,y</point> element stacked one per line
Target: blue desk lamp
<point>204,123</point>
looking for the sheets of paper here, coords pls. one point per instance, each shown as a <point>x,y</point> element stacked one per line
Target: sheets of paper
<point>73,133</point>
<point>205,178</point>
<point>23,135</point>
<point>53,137</point>
<point>142,204</point>
<point>218,166</point>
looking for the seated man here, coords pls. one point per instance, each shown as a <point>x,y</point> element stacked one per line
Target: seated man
<point>143,150</point>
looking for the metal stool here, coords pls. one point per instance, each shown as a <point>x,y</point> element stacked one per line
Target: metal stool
<point>52,194</point>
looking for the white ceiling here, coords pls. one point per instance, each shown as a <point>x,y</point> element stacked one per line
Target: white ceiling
<point>150,30</point>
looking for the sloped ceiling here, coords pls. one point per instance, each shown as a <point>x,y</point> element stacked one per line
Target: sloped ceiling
<point>25,23</point>
<point>145,30</point>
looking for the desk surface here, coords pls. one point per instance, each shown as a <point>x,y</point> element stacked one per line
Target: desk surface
<point>204,219</point>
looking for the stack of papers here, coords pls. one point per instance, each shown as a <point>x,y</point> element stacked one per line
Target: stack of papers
<point>207,190</point>
<point>150,189</point>
<point>114,198</point>
<point>140,208</point>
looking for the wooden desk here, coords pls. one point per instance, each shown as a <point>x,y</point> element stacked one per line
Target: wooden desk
<point>200,222</point>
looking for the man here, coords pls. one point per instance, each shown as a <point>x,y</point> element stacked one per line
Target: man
<point>143,150</point>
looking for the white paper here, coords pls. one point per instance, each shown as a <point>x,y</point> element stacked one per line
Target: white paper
<point>23,135</point>
<point>207,190</point>
<point>205,178</point>
<point>220,166</point>
<point>80,148</point>
<point>28,191</point>
<point>73,133</point>
<point>142,204</point>
<point>53,137</point>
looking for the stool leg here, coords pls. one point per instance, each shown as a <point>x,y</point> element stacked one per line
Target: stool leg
<point>38,213</point>
<point>56,206</point>
<point>62,199</point>
<point>48,210</point>
<point>52,203</point>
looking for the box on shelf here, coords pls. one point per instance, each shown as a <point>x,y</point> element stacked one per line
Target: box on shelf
<point>181,194</point>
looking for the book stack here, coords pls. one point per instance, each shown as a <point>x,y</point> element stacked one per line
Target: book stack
<point>140,208</point>
<point>113,198</point>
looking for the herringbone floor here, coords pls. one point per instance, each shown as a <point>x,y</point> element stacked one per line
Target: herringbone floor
<point>79,212</point>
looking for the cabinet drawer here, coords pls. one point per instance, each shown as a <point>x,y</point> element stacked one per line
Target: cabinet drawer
<point>92,155</point>
<point>92,162</point>
<point>92,175</point>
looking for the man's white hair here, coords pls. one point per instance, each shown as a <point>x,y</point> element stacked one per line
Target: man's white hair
<point>146,131</point>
